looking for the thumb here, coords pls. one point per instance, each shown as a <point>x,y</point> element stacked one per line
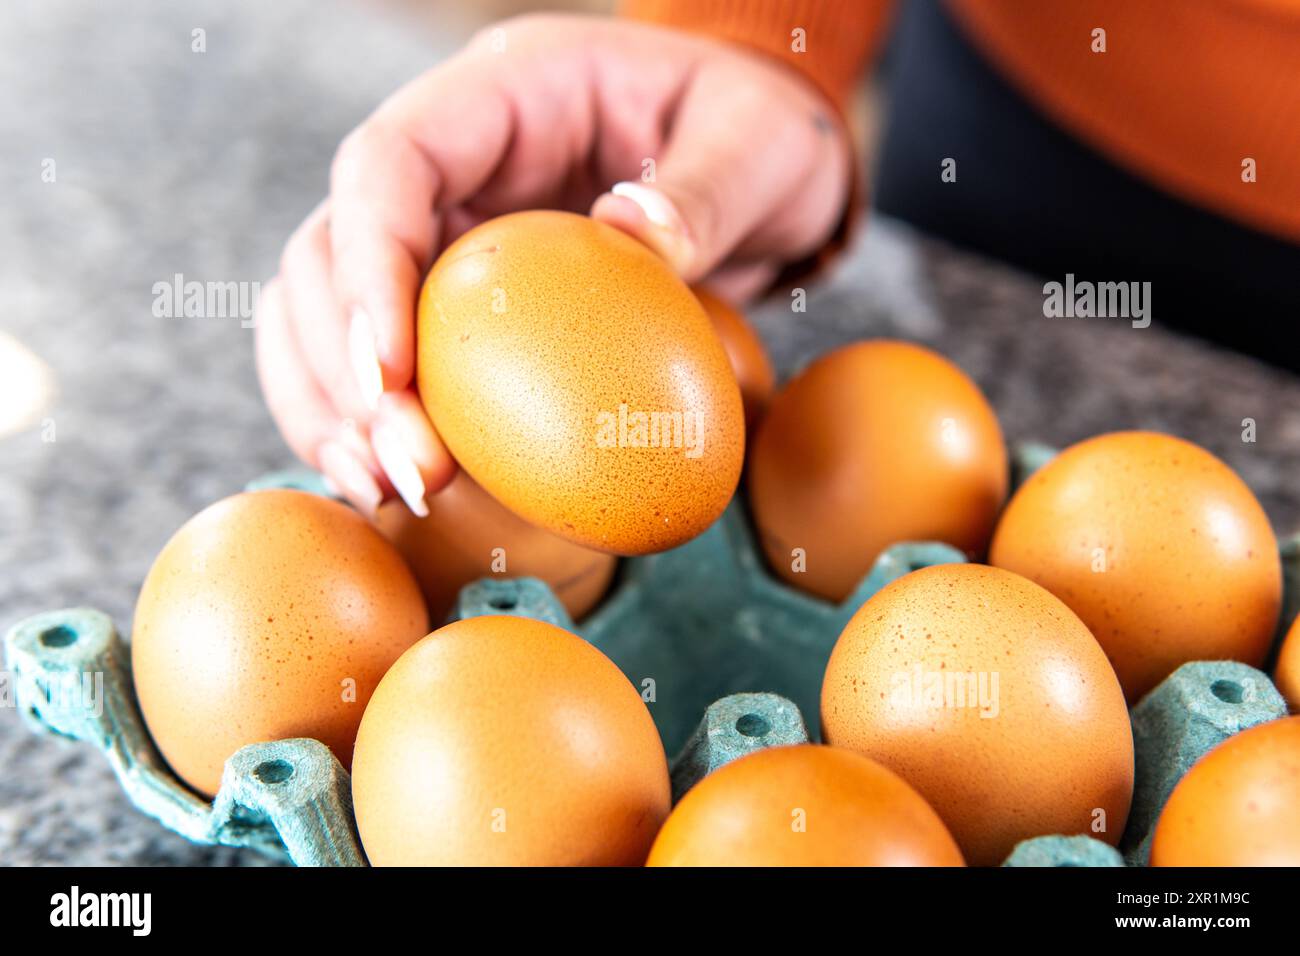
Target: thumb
<point>759,185</point>
<point>651,215</point>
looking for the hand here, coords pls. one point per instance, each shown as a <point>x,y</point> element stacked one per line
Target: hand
<point>751,170</point>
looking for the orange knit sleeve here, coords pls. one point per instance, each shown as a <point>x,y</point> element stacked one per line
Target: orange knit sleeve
<point>829,41</point>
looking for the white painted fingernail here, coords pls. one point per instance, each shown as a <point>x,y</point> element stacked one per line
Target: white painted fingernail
<point>667,233</point>
<point>656,206</point>
<point>365,357</point>
<point>347,473</point>
<point>400,468</point>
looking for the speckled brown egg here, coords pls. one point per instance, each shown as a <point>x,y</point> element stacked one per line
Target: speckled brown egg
<point>1237,806</point>
<point>749,359</point>
<point>505,741</point>
<point>990,697</point>
<point>1286,675</point>
<point>805,805</point>
<point>580,382</point>
<point>468,535</point>
<point>873,444</point>
<point>268,615</point>
<point>1156,544</point>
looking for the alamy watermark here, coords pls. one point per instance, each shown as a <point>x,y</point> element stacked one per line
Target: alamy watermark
<point>1107,300</point>
<point>133,911</point>
<point>178,298</point>
<point>68,691</point>
<point>945,689</point>
<point>652,429</point>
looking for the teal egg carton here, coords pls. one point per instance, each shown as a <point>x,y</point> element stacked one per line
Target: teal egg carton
<point>728,658</point>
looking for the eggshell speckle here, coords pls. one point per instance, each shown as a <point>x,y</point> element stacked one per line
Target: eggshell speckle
<point>1237,806</point>
<point>990,697</point>
<point>1157,545</point>
<point>580,382</point>
<point>505,741</point>
<point>875,443</point>
<point>270,614</point>
<point>468,535</point>
<point>804,805</point>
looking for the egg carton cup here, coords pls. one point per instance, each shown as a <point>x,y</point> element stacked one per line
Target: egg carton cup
<point>703,629</point>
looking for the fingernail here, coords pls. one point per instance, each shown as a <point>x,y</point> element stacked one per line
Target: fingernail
<point>350,476</point>
<point>365,357</point>
<point>400,468</point>
<point>656,206</point>
<point>670,229</point>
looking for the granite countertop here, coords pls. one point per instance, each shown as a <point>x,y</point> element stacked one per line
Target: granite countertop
<point>170,161</point>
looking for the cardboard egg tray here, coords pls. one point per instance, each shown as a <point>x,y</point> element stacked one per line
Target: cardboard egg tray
<point>728,658</point>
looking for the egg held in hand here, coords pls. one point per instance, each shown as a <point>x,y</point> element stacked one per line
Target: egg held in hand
<point>580,382</point>
<point>268,615</point>
<point>505,741</point>
<point>873,444</point>
<point>990,697</point>
<point>1238,805</point>
<point>1157,545</point>
<point>467,535</point>
<point>804,805</point>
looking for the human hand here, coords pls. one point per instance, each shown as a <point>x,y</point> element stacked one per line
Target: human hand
<point>727,163</point>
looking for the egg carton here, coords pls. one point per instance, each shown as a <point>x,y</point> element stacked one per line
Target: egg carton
<point>703,629</point>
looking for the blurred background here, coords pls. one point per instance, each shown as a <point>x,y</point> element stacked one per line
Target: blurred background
<point>129,159</point>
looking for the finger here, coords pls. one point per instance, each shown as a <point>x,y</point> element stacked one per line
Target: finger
<point>430,146</point>
<point>300,409</point>
<point>771,173</point>
<point>319,325</point>
<point>743,281</point>
<point>412,454</point>
<point>349,477</point>
<point>303,412</point>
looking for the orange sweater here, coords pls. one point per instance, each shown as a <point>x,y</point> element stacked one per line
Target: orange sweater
<point>1186,92</point>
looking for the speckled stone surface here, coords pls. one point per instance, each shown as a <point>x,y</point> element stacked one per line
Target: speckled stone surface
<point>170,161</point>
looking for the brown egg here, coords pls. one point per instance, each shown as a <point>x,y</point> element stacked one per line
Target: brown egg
<point>1237,806</point>
<point>1157,545</point>
<point>873,444</point>
<point>990,697</point>
<point>1286,675</point>
<point>745,350</point>
<point>468,536</point>
<point>268,615</point>
<point>504,741</point>
<point>805,805</point>
<point>579,381</point>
